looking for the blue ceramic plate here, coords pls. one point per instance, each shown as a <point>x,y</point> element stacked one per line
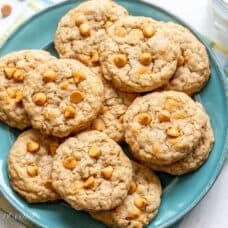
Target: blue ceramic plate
<point>181,194</point>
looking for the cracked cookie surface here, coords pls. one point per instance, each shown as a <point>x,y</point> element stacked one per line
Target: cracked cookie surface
<point>14,68</point>
<point>62,96</point>
<point>91,172</point>
<point>136,56</point>
<point>83,28</point>
<point>30,164</point>
<point>141,204</point>
<point>163,127</point>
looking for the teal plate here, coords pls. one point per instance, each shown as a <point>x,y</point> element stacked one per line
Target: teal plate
<point>180,194</point>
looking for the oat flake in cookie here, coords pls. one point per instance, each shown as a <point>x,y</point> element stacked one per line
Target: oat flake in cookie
<point>194,159</point>
<point>62,96</point>
<point>163,127</point>
<point>29,166</point>
<point>91,172</point>
<point>82,29</point>
<point>110,118</point>
<point>141,204</point>
<point>193,69</point>
<point>14,68</point>
<point>136,56</point>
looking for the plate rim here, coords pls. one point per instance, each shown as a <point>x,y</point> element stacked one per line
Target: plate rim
<point>225,89</point>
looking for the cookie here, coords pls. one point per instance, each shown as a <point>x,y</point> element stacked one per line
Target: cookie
<point>110,118</point>
<point>141,204</point>
<point>193,69</point>
<point>91,172</point>
<point>136,56</point>
<point>62,96</point>
<point>163,127</point>
<point>83,28</point>
<point>193,160</point>
<point>29,166</point>
<point>14,67</point>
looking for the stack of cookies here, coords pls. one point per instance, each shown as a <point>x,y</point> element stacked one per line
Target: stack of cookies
<point>119,78</point>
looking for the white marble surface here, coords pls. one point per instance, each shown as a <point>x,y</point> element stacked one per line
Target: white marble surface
<point>212,211</point>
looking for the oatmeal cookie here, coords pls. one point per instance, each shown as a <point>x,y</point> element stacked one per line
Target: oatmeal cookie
<point>62,96</point>
<point>136,56</point>
<point>193,160</point>
<point>163,127</point>
<point>14,68</point>
<point>91,172</point>
<point>29,166</point>
<point>193,69</point>
<point>83,28</point>
<point>141,204</point>
<point>110,118</point>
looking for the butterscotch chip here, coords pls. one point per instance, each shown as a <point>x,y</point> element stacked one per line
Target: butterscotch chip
<point>140,203</point>
<point>173,131</point>
<point>121,32</point>
<point>172,104</point>
<point>9,71</point>
<point>39,99</point>
<point>32,170</point>
<point>105,180</point>
<point>107,25</point>
<point>30,165</point>
<point>84,58</point>
<point>133,187</point>
<point>53,146</point>
<point>134,212</point>
<point>94,152</point>
<point>86,29</point>
<point>79,19</point>
<point>32,146</point>
<point>69,112</point>
<point>107,172</point>
<point>69,162</point>
<point>180,61</point>
<point>18,96</point>
<point>145,58</point>
<point>98,125</point>
<point>164,116</point>
<point>19,75</point>
<point>89,183</point>
<point>120,60</point>
<point>64,85</point>
<point>181,114</point>
<point>74,105</point>
<point>76,97</point>
<point>148,30</point>
<point>138,58</point>
<point>170,139</point>
<point>78,76</point>
<point>49,76</point>
<point>144,118</point>
<point>94,57</point>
